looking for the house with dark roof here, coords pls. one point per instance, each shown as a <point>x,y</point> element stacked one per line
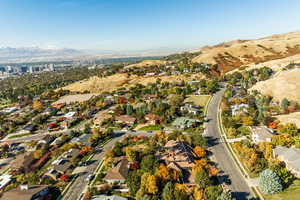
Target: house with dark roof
<point>32,192</point>
<point>179,156</point>
<point>291,158</point>
<point>22,163</point>
<point>118,173</point>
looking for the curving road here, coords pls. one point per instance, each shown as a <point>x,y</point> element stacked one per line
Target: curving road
<point>239,187</point>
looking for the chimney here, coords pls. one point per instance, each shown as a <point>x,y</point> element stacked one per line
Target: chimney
<point>24,187</point>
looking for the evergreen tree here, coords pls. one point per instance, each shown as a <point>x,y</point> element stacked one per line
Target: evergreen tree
<point>269,182</point>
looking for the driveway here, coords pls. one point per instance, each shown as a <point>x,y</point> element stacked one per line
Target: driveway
<point>239,187</point>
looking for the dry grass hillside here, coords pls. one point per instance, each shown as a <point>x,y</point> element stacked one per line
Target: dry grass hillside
<point>276,65</point>
<point>110,83</point>
<point>233,54</point>
<point>290,118</point>
<point>147,63</point>
<point>284,84</point>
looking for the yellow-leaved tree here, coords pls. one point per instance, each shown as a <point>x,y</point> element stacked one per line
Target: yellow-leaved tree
<point>199,151</point>
<point>163,173</point>
<point>37,105</point>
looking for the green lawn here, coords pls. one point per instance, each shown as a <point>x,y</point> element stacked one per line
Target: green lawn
<point>150,128</point>
<point>198,100</point>
<point>19,135</point>
<point>291,193</point>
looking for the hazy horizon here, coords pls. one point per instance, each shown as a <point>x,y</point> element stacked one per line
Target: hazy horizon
<point>133,25</point>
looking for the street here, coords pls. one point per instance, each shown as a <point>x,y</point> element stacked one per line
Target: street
<point>239,187</point>
<point>79,185</point>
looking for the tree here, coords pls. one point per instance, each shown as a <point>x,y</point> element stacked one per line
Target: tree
<point>163,173</point>
<point>199,151</point>
<point>202,178</point>
<point>198,194</point>
<point>289,128</point>
<point>248,121</point>
<point>213,171</point>
<point>38,154</point>
<point>269,182</point>
<point>149,183</point>
<point>134,181</point>
<point>285,176</point>
<point>232,132</point>
<point>37,105</point>
<point>172,193</point>
<point>118,149</point>
<point>273,125</point>
<point>148,163</point>
<point>64,177</point>
<point>282,140</point>
<point>225,196</point>
<point>198,140</point>
<point>212,192</point>
<point>284,104</point>
<point>168,191</point>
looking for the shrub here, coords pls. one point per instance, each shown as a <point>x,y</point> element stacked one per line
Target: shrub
<point>269,182</point>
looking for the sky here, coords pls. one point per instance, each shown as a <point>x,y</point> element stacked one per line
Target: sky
<point>141,24</point>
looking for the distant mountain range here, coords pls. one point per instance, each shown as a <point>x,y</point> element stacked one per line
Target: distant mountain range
<point>36,54</point>
<point>8,54</point>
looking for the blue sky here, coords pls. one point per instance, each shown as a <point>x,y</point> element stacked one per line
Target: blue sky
<point>141,24</point>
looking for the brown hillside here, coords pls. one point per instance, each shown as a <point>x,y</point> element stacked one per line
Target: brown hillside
<point>233,54</point>
<point>284,84</point>
<point>107,84</point>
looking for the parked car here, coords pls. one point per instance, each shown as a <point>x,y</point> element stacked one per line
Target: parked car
<point>228,181</point>
<point>90,177</point>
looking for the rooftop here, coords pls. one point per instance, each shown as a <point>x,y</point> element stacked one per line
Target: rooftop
<point>290,155</point>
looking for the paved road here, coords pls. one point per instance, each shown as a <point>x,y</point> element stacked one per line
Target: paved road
<point>78,187</point>
<point>39,135</point>
<point>240,189</point>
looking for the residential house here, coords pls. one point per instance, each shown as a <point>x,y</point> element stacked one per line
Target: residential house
<point>70,115</point>
<point>32,192</point>
<point>82,139</point>
<point>118,173</point>
<point>51,110</point>
<point>291,158</point>
<point>125,119</point>
<point>152,119</point>
<point>190,108</point>
<point>10,109</point>
<point>28,129</point>
<point>45,141</point>
<point>180,157</point>
<point>105,197</point>
<point>183,123</point>
<point>261,134</point>
<point>239,108</point>
<point>22,163</point>
<point>149,97</point>
<point>5,179</point>
<point>100,117</point>
<point>62,165</point>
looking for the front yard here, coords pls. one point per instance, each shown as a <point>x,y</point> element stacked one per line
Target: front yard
<point>292,192</point>
<point>201,100</point>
